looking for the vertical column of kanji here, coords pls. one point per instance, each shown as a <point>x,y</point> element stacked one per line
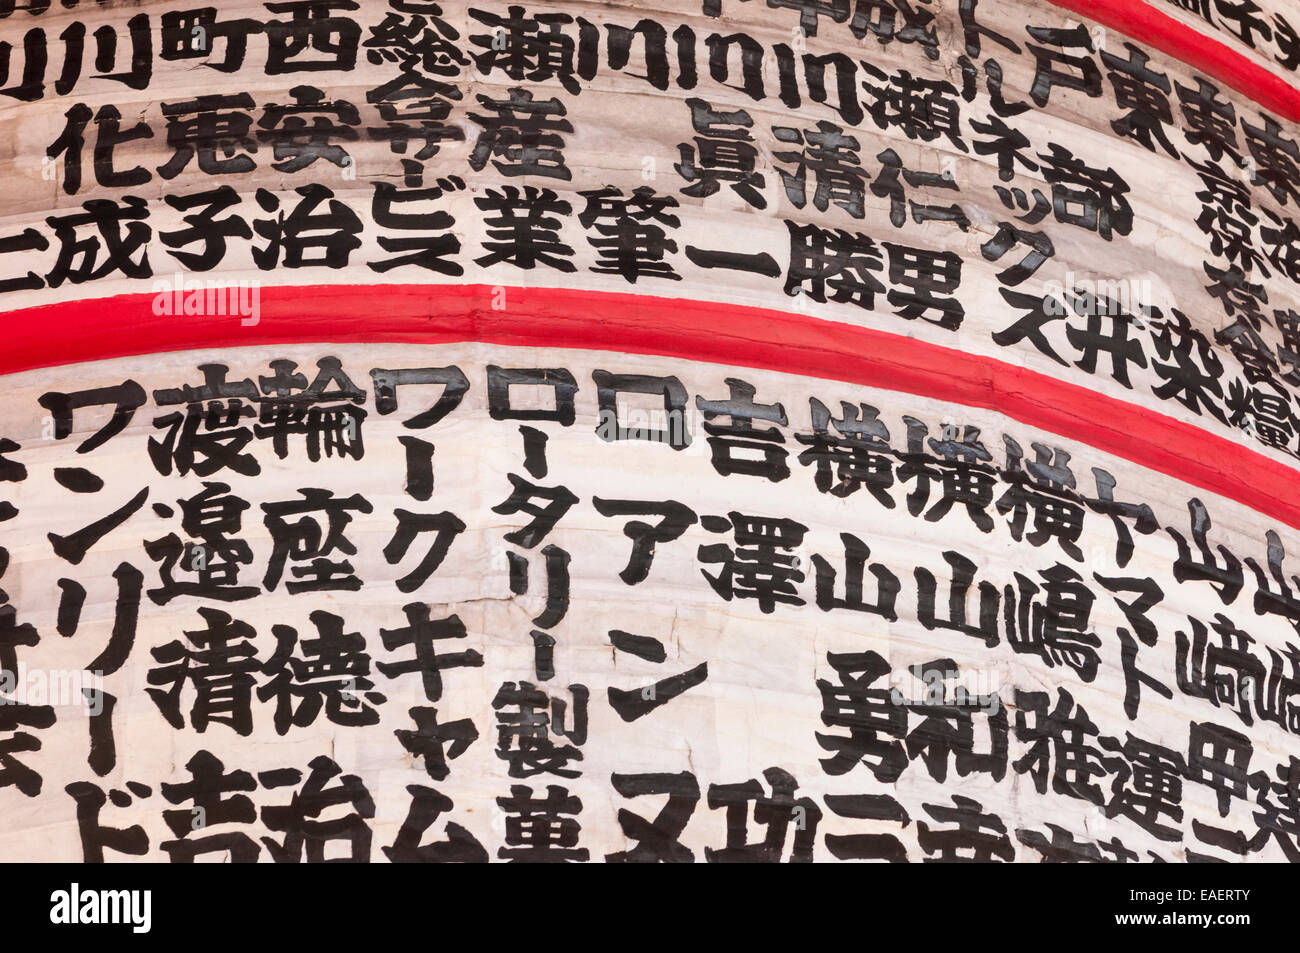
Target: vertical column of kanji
<point>416,106</point>
<point>1259,396</point>
<point>15,715</point>
<point>759,561</point>
<point>120,234</point>
<point>648,524</point>
<point>318,36</point>
<point>72,548</point>
<point>305,677</point>
<point>522,133</point>
<point>537,733</point>
<point>436,742</point>
<point>850,453</point>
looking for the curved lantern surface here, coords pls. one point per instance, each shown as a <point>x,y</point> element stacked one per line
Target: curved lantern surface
<point>871,427</point>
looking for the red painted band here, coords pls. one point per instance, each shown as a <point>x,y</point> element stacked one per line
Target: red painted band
<point>1142,22</point>
<point>90,330</point>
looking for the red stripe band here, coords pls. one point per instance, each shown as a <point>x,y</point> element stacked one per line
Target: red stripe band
<point>727,334</point>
